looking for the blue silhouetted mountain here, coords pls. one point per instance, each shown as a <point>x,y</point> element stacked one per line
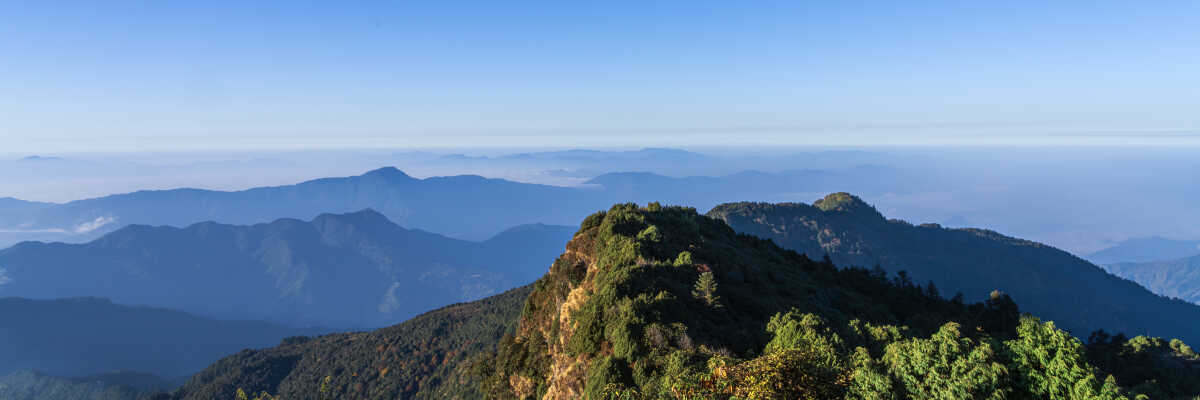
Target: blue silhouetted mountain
<point>1146,249</point>
<point>466,206</point>
<point>85,336</point>
<point>346,271</point>
<point>1045,281</point>
<point>1178,278</point>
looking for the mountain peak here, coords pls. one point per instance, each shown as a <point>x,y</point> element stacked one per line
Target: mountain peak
<point>367,215</point>
<point>389,173</point>
<point>842,201</point>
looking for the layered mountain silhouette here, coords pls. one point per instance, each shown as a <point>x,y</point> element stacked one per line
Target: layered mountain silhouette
<point>340,271</point>
<point>1048,282</point>
<point>88,336</point>
<point>466,206</point>
<point>1173,278</point>
<point>663,302</point>
<point>1146,249</point>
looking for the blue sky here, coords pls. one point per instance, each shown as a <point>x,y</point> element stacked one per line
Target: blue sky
<point>153,75</point>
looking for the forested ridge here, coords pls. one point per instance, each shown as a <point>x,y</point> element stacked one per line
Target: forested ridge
<point>663,302</point>
<point>623,314</point>
<point>427,357</point>
<point>1050,283</point>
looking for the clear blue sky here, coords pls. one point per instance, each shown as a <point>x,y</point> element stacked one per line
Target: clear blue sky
<point>176,75</point>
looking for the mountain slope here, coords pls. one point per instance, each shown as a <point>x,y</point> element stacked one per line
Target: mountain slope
<point>427,357</point>
<point>1174,278</point>
<point>1048,282</point>
<point>344,271</point>
<point>661,302</point>
<point>84,336</point>
<point>464,206</point>
<point>1146,250</point>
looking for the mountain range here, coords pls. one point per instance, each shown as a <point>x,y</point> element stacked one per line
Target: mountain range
<point>663,302</point>
<point>1146,249</point>
<point>1178,278</point>
<point>342,271</point>
<point>465,206</point>
<point>1048,282</point>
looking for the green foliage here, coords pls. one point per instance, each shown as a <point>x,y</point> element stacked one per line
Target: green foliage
<point>706,288</point>
<point>604,374</point>
<point>616,319</point>
<point>433,356</point>
<point>1050,363</point>
<point>1050,283</point>
<point>946,366</point>
<point>241,395</point>
<point>1151,367</point>
<point>684,259</point>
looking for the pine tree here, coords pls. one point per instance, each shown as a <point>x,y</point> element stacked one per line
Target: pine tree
<point>706,288</point>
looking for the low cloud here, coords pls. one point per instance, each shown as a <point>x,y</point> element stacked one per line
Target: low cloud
<point>4,277</point>
<point>93,225</point>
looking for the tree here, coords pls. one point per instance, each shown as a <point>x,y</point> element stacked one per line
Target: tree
<point>706,288</point>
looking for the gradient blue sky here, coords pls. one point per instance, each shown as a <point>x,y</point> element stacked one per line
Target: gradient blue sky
<point>173,75</point>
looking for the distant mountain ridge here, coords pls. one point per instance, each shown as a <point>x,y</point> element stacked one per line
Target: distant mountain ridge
<point>464,206</point>
<point>1146,249</point>
<point>87,336</point>
<point>1173,278</point>
<point>352,270</point>
<point>1048,282</point>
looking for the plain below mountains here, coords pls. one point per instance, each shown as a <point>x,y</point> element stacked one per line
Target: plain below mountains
<point>1048,282</point>
<point>343,271</point>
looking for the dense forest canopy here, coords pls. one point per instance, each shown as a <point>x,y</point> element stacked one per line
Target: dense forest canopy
<point>1078,296</point>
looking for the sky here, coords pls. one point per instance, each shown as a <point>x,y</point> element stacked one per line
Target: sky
<point>78,76</point>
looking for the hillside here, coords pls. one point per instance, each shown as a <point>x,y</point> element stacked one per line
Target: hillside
<point>661,302</point>
<point>1045,281</point>
<point>466,206</point>
<point>1174,278</point>
<point>1148,249</point>
<point>427,357</point>
<point>355,270</point>
<point>87,336</point>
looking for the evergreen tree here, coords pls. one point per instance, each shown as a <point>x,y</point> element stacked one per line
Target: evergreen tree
<point>706,288</point>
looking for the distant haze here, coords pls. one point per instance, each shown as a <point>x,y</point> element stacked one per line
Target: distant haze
<point>1081,199</point>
